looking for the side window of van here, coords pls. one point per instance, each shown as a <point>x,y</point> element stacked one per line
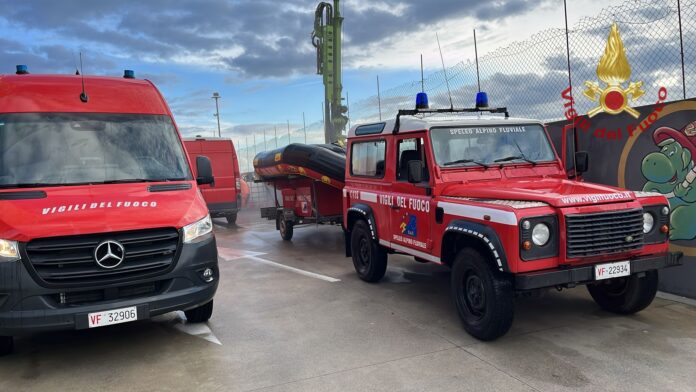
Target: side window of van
<point>367,158</point>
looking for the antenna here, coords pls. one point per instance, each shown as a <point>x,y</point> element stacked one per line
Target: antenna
<point>379,99</point>
<point>422,79</point>
<point>478,78</point>
<point>449,92</point>
<point>77,69</point>
<point>83,96</point>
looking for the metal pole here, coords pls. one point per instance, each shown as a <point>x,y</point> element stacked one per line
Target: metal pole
<point>275,131</point>
<point>681,44</point>
<point>304,127</point>
<point>379,100</point>
<point>265,147</point>
<point>348,110</point>
<point>254,144</point>
<point>289,141</point>
<point>323,116</point>
<point>246,141</point>
<point>478,78</point>
<point>216,96</point>
<point>570,78</point>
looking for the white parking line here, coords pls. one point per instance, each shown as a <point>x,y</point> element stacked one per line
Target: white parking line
<point>293,269</point>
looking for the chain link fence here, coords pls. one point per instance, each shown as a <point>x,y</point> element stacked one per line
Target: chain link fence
<point>528,76</point>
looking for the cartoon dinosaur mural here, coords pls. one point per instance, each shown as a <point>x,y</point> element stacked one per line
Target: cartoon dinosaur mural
<point>671,171</point>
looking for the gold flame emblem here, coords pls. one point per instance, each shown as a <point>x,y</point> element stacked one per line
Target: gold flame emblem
<point>614,70</point>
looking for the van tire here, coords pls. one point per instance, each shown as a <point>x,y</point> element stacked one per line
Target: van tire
<point>625,295</point>
<point>232,219</point>
<point>369,258</point>
<point>6,345</point>
<point>484,296</point>
<point>286,229</point>
<point>200,314</point>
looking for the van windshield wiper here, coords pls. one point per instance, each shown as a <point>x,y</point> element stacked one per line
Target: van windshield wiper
<point>462,161</point>
<point>515,157</point>
<point>133,180</point>
<point>38,185</point>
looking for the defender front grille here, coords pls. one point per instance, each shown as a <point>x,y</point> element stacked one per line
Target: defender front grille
<point>69,261</point>
<point>603,233</point>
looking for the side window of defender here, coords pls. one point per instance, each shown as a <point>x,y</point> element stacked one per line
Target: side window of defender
<point>410,150</point>
<point>367,158</point>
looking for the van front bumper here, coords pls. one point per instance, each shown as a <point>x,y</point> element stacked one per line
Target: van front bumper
<point>585,274</point>
<point>27,307</point>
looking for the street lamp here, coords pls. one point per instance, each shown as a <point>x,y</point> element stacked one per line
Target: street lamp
<point>216,97</point>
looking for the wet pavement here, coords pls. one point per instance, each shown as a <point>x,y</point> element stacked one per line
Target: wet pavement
<point>293,316</point>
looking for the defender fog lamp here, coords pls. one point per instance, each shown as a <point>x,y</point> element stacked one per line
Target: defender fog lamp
<point>541,234</point>
<point>197,229</point>
<point>9,250</point>
<point>648,222</point>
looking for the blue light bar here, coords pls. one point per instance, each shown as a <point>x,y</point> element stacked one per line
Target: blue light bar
<point>129,74</point>
<point>481,100</point>
<point>422,101</point>
<point>22,69</point>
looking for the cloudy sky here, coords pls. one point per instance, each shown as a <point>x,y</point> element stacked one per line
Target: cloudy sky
<point>257,53</point>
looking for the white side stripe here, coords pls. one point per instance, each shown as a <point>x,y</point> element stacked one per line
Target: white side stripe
<point>368,196</point>
<point>476,212</point>
<point>410,251</point>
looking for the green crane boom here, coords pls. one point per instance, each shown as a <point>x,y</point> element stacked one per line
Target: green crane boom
<point>326,37</point>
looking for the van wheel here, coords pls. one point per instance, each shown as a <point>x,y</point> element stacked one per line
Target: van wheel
<point>232,219</point>
<point>625,295</point>
<point>200,314</point>
<point>286,229</point>
<point>369,259</point>
<point>483,295</point>
<point>6,345</point>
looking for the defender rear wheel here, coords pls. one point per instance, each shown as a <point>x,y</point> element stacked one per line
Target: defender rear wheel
<point>200,314</point>
<point>483,296</point>
<point>6,345</point>
<point>369,259</point>
<point>286,229</point>
<point>625,295</point>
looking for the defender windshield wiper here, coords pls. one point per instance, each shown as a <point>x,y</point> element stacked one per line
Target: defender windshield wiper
<point>462,161</point>
<point>515,157</point>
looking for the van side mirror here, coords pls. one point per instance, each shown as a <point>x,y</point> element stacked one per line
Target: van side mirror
<point>415,172</point>
<point>205,171</point>
<point>582,162</point>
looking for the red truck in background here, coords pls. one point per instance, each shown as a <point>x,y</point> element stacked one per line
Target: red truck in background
<point>224,197</point>
<point>101,219</point>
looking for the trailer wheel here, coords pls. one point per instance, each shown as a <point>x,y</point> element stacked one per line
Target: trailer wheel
<point>232,218</point>
<point>484,296</point>
<point>286,229</point>
<point>625,295</point>
<point>369,259</point>
<point>200,314</point>
<point>6,345</point>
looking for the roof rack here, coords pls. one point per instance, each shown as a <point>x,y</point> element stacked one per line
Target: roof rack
<point>413,112</point>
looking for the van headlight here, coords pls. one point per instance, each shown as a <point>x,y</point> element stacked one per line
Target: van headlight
<point>197,229</point>
<point>9,250</point>
<point>541,234</point>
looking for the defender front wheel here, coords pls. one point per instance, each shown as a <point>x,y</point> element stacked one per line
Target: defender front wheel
<point>369,259</point>
<point>483,296</point>
<point>625,295</point>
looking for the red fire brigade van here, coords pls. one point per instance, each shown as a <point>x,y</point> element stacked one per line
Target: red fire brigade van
<point>101,220</point>
<point>489,197</point>
<point>224,197</point>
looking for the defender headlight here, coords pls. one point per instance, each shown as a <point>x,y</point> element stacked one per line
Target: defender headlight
<point>9,250</point>
<point>648,222</point>
<point>541,234</point>
<point>197,229</point>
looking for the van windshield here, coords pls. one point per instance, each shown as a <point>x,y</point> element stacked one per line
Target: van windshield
<point>51,149</point>
<point>491,145</point>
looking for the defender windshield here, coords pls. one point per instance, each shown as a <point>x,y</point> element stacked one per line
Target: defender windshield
<point>491,145</point>
<point>45,149</point>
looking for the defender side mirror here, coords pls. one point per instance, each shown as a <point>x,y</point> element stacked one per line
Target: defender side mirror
<point>205,171</point>
<point>582,162</point>
<point>415,172</point>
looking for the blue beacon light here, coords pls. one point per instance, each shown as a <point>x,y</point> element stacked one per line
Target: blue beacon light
<point>481,100</point>
<point>22,69</point>
<point>422,101</point>
<point>129,74</point>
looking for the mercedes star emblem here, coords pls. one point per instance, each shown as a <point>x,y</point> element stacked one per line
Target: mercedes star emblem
<point>109,254</point>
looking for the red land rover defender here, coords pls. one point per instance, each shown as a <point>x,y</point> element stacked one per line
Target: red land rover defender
<point>224,198</point>
<point>101,220</point>
<point>489,197</point>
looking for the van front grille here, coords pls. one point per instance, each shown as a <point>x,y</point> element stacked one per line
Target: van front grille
<point>70,261</point>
